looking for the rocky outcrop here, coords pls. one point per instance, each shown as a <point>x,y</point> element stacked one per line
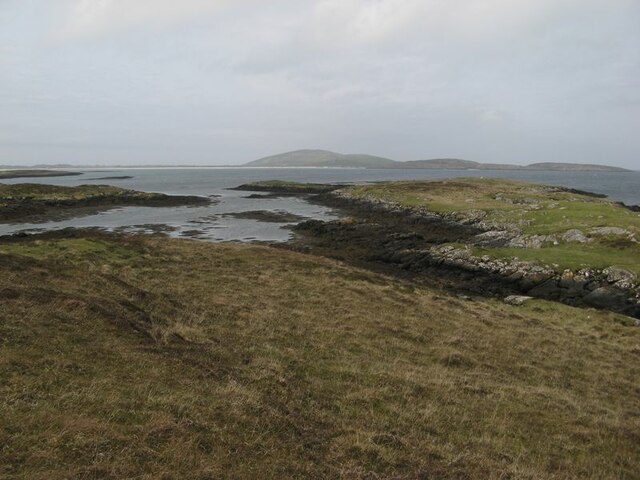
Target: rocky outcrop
<point>405,237</point>
<point>575,235</point>
<point>612,288</point>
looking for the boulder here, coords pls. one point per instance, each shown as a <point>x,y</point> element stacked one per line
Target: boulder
<point>548,289</point>
<point>575,235</point>
<point>517,299</point>
<point>532,280</point>
<point>619,276</point>
<point>605,297</point>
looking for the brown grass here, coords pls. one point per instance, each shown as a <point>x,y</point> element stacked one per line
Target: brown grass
<point>155,358</point>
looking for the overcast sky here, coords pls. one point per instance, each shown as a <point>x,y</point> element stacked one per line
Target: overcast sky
<point>228,81</point>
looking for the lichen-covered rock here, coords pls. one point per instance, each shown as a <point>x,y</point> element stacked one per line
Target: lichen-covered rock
<point>532,241</point>
<point>575,235</point>
<point>619,276</point>
<point>609,231</point>
<point>517,299</point>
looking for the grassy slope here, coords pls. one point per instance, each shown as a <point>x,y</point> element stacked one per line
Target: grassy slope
<point>544,213</point>
<point>157,358</point>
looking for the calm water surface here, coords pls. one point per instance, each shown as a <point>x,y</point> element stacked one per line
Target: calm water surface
<point>209,222</point>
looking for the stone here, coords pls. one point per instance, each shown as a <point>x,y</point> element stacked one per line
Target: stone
<point>609,231</point>
<point>532,280</point>
<point>533,241</point>
<point>620,277</point>
<point>605,297</point>
<point>517,299</point>
<point>575,235</point>
<point>616,274</point>
<point>493,238</point>
<point>548,289</point>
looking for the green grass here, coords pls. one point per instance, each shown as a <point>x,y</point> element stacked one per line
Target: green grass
<point>145,357</point>
<point>568,256</point>
<point>537,209</point>
<point>35,191</point>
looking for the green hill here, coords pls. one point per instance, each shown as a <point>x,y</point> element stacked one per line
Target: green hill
<point>322,158</point>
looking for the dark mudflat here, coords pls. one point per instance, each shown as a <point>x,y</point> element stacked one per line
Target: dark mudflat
<point>121,177</point>
<point>276,216</point>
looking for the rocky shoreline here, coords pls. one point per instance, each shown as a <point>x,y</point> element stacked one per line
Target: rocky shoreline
<point>416,240</point>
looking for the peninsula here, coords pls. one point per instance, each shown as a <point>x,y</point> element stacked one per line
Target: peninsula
<point>487,235</point>
<point>29,201</point>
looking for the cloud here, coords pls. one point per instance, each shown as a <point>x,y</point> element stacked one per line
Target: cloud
<point>487,79</point>
<point>78,19</point>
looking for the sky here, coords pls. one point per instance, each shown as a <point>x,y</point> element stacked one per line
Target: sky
<point>210,82</point>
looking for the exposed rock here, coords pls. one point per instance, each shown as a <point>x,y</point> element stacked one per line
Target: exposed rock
<point>493,239</point>
<point>609,231</point>
<point>517,299</point>
<point>547,289</point>
<point>533,241</point>
<point>575,235</point>
<point>412,239</point>
<point>605,297</point>
<point>472,216</point>
<point>621,277</point>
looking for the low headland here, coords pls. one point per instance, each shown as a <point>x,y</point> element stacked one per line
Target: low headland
<point>499,237</point>
<point>29,201</point>
<point>8,174</point>
<point>143,356</point>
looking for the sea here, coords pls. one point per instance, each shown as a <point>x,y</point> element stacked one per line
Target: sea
<point>215,222</point>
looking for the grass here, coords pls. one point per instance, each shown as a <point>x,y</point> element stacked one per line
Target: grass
<point>41,192</point>
<point>144,357</point>
<point>567,256</point>
<point>536,209</point>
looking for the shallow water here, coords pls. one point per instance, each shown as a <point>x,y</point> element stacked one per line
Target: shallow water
<point>209,222</point>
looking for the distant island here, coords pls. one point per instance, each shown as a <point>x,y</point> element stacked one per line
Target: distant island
<point>320,159</point>
<point>7,174</point>
<point>325,158</point>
